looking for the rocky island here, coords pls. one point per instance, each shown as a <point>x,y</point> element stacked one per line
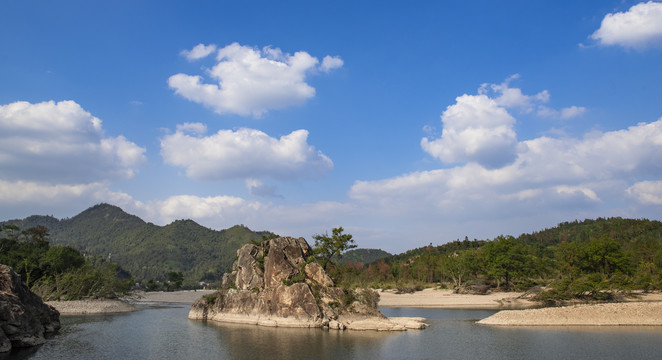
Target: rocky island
<point>24,318</point>
<point>276,283</point>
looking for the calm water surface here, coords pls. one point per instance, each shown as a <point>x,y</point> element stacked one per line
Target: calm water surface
<point>166,333</point>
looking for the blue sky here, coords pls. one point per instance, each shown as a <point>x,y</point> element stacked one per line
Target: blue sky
<point>407,123</point>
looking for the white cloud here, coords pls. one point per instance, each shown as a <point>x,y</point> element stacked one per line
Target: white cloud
<point>259,188</point>
<point>508,97</point>
<point>573,111</point>
<point>647,192</point>
<point>479,128</point>
<point>250,81</point>
<point>221,208</point>
<point>548,175</point>
<point>62,143</point>
<point>198,52</point>
<point>638,28</point>
<point>192,128</point>
<point>331,62</point>
<point>245,153</point>
<point>23,198</point>
<point>476,129</point>
<point>574,190</point>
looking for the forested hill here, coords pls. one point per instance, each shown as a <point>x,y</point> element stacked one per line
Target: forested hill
<point>363,256</point>
<point>146,250</point>
<point>628,232</point>
<point>622,230</point>
<point>589,260</point>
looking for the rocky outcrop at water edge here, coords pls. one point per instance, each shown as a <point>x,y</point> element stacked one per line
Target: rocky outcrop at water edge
<point>24,318</point>
<point>276,283</point>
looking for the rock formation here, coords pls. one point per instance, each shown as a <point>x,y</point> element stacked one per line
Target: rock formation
<point>24,318</point>
<point>276,284</point>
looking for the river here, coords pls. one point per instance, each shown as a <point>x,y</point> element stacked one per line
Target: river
<point>166,333</point>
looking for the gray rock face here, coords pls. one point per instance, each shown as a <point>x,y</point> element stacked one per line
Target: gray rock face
<point>274,284</point>
<point>24,318</point>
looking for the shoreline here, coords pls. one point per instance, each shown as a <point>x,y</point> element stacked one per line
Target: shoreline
<point>645,310</point>
<point>91,307</point>
<point>643,313</point>
<point>127,304</point>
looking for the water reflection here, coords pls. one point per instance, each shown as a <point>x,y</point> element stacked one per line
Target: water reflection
<point>166,333</point>
<point>256,342</point>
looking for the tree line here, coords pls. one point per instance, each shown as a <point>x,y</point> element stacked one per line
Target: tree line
<point>58,272</point>
<point>593,259</point>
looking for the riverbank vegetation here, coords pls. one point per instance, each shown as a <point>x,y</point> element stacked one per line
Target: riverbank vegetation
<point>589,260</point>
<point>58,272</point>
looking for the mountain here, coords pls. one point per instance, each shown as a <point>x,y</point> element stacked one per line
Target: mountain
<point>146,250</point>
<point>633,235</point>
<point>363,256</point>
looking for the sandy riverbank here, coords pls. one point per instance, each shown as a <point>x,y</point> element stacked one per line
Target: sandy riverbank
<point>128,304</point>
<point>446,299</point>
<point>162,297</point>
<point>612,314</point>
<point>91,307</point>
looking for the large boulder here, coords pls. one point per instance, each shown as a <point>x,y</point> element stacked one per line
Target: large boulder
<point>276,283</point>
<point>24,318</point>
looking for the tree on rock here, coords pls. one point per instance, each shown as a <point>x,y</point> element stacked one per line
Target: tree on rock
<point>326,247</point>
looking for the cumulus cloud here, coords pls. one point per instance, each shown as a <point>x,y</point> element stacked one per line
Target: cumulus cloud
<point>475,129</point>
<point>244,153</point>
<point>198,52</point>
<point>479,128</point>
<point>249,81</point>
<point>60,142</point>
<point>331,62</point>
<point>22,198</point>
<point>638,28</point>
<point>508,97</point>
<point>573,111</point>
<point>259,188</point>
<point>647,192</point>
<point>548,174</point>
<point>221,208</point>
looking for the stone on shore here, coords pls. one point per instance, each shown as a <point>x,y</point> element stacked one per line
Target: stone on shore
<point>24,318</point>
<point>273,284</point>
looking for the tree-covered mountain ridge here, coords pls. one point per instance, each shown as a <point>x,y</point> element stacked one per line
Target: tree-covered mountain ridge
<point>146,250</point>
<point>629,232</point>
<point>589,259</point>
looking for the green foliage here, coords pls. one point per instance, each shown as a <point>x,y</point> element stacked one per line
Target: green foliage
<point>363,256</point>
<point>334,304</point>
<point>58,272</point>
<point>507,259</point>
<point>368,297</point>
<point>298,278</point>
<point>174,280</point>
<point>326,247</point>
<point>210,299</point>
<point>85,282</point>
<point>59,259</point>
<point>348,298</point>
<point>589,260</point>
